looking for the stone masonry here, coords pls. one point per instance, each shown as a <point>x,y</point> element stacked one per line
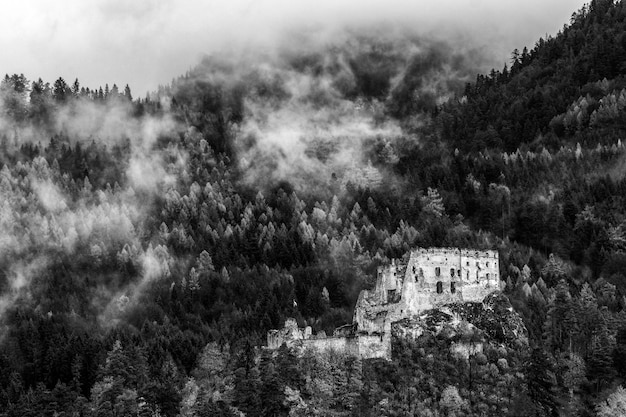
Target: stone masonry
<point>431,278</point>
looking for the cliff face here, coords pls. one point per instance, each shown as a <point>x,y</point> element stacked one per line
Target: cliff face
<point>465,328</point>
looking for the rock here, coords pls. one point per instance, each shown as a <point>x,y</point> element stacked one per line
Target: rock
<point>467,327</point>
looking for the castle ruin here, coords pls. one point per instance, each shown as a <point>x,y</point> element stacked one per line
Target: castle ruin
<point>430,278</point>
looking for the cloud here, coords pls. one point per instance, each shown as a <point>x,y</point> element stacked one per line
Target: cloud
<point>317,105</point>
<point>19,276</point>
<point>148,42</point>
<point>155,264</point>
<point>49,195</point>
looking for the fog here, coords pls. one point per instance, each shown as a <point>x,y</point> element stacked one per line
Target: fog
<point>299,124</point>
<point>148,42</point>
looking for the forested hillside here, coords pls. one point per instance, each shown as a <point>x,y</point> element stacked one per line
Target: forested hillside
<point>148,244</point>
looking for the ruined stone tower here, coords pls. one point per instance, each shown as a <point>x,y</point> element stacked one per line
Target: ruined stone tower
<point>430,278</point>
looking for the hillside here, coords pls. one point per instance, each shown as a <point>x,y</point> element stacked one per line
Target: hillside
<point>148,244</point>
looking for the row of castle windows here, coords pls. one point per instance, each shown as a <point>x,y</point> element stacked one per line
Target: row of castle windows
<point>458,271</point>
<point>438,269</point>
<point>476,255</point>
<point>477,263</point>
<point>391,294</point>
<point>440,287</point>
<point>452,286</point>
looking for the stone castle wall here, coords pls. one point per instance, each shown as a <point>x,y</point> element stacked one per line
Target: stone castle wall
<point>363,346</point>
<point>289,332</point>
<point>430,278</point>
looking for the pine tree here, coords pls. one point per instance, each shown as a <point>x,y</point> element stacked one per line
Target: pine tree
<point>60,90</point>
<point>600,369</point>
<point>619,354</point>
<point>76,88</point>
<point>246,391</point>
<point>288,368</point>
<point>271,390</point>
<point>127,93</point>
<point>556,332</point>
<point>540,380</point>
<point>204,263</point>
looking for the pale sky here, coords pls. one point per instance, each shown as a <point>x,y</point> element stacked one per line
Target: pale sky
<point>148,42</point>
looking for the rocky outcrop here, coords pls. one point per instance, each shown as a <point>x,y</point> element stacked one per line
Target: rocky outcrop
<point>497,318</point>
<point>466,327</point>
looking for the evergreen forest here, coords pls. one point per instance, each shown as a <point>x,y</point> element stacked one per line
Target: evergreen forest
<point>147,244</point>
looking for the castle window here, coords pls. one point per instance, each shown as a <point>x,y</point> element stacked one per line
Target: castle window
<point>458,272</point>
<point>439,287</point>
<point>487,276</point>
<point>391,295</point>
<point>467,263</point>
<point>487,264</point>
<point>452,272</point>
<point>437,271</point>
<point>453,287</point>
<point>413,268</point>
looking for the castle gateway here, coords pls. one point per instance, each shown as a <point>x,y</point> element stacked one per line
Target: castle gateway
<point>430,278</point>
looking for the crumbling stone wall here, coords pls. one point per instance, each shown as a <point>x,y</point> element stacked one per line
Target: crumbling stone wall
<point>289,333</point>
<point>430,278</point>
<point>343,341</point>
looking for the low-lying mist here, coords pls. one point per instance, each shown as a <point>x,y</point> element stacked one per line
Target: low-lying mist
<point>319,107</point>
<point>318,110</point>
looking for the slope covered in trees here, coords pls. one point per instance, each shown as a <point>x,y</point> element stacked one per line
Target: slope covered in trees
<point>146,245</point>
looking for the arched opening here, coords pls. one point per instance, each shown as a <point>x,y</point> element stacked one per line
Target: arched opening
<point>439,287</point>
<point>437,271</point>
<point>453,287</point>
<point>452,272</point>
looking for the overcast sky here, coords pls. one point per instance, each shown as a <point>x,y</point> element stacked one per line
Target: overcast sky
<point>148,42</point>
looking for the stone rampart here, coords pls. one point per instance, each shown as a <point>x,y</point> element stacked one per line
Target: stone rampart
<point>347,345</point>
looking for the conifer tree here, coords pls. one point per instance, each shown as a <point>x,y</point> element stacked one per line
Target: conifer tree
<point>127,93</point>
<point>246,390</point>
<point>540,380</point>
